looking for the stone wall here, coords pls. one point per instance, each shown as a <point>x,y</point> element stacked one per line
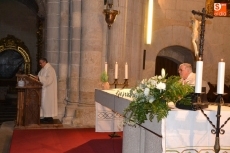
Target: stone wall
<point>78,43</point>
<point>125,42</point>
<point>18,20</point>
<point>172,26</point>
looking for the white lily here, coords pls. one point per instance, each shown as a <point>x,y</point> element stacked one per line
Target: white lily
<point>161,86</point>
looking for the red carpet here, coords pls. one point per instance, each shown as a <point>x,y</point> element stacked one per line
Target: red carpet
<point>64,141</point>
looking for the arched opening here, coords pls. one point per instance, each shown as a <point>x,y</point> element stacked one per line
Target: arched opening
<point>171,57</point>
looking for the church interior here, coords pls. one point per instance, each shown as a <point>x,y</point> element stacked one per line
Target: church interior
<point>82,37</point>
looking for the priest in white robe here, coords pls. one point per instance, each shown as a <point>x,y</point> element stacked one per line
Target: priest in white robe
<point>187,76</point>
<point>47,76</point>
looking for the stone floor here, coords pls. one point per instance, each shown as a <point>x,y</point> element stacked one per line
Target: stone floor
<point>6,131</point>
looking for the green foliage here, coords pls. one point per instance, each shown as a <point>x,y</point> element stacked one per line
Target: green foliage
<point>150,99</point>
<point>104,77</point>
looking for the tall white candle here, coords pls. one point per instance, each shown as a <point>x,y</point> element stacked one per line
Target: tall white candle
<point>220,79</point>
<point>163,73</point>
<point>116,71</point>
<point>126,70</point>
<point>106,68</point>
<point>199,74</point>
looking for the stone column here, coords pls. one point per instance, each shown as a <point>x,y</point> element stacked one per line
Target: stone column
<point>74,60</point>
<point>63,57</point>
<point>53,34</point>
<point>91,54</point>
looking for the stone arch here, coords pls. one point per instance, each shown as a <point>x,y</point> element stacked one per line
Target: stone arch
<point>178,54</point>
<point>172,36</point>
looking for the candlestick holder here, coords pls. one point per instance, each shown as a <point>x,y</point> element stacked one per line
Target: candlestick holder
<point>217,129</point>
<point>197,101</point>
<point>197,98</point>
<point>116,83</point>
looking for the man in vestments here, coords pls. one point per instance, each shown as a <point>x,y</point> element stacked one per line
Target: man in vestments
<point>187,76</point>
<point>47,76</point>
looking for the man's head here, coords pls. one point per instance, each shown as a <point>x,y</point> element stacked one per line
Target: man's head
<point>42,62</point>
<point>184,70</point>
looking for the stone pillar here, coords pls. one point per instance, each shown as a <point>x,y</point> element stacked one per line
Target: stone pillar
<point>53,36</point>
<point>74,60</point>
<point>135,33</point>
<point>91,54</point>
<point>53,33</point>
<point>63,57</point>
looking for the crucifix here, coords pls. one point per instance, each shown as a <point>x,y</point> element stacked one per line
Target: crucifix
<point>217,129</point>
<point>195,32</point>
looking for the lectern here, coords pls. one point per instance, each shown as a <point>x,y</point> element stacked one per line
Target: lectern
<point>29,100</point>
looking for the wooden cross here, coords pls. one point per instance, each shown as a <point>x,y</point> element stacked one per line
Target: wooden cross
<point>203,15</point>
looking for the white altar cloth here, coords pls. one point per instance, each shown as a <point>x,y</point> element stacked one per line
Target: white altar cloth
<point>190,131</point>
<point>183,131</point>
<point>107,120</point>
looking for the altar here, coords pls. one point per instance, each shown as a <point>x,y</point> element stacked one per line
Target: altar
<point>183,131</point>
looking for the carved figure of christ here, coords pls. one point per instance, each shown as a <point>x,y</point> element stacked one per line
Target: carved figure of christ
<point>195,32</point>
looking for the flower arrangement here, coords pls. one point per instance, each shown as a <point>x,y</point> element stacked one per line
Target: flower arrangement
<point>151,97</point>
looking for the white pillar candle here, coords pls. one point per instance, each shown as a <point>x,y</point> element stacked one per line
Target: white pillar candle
<point>199,74</point>
<point>106,68</point>
<point>220,79</point>
<point>163,73</point>
<point>126,70</point>
<point>116,71</point>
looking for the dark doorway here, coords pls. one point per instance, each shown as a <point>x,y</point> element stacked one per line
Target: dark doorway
<point>171,57</point>
<point>170,66</point>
